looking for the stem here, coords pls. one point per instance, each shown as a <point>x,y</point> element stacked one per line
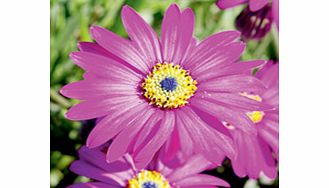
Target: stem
<point>58,99</point>
<point>262,46</point>
<point>275,36</point>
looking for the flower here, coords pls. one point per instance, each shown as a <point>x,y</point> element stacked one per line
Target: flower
<point>123,173</point>
<point>256,20</point>
<point>258,153</point>
<point>150,92</point>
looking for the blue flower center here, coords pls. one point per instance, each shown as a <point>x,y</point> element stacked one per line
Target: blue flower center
<point>149,184</point>
<point>169,84</point>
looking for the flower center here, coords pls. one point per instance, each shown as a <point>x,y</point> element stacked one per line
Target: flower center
<point>148,179</point>
<point>168,86</point>
<point>254,116</point>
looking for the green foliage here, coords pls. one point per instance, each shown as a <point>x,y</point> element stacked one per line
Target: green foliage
<point>70,22</point>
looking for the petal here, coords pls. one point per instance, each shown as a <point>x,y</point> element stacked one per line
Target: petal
<point>97,89</point>
<point>255,5</point>
<point>104,67</point>
<point>97,158</point>
<point>112,124</point>
<point>207,140</point>
<point>230,68</point>
<point>145,155</point>
<point>120,144</point>
<point>223,4</point>
<point>234,100</point>
<point>194,165</point>
<point>234,117</point>
<point>202,180</point>
<point>209,46</point>
<point>233,84</point>
<point>142,35</point>
<point>97,108</point>
<point>119,46</point>
<point>93,185</point>
<point>176,33</point>
<point>97,49</point>
<point>216,59</point>
<point>85,169</point>
<point>269,131</point>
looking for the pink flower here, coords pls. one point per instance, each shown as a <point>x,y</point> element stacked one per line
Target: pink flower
<point>259,152</point>
<point>152,91</point>
<point>123,172</point>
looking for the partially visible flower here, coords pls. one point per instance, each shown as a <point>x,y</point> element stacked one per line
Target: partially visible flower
<point>259,153</point>
<point>254,21</point>
<point>150,91</point>
<point>124,174</point>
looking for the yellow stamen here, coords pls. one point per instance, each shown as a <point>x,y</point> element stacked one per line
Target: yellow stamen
<point>145,178</point>
<point>179,87</point>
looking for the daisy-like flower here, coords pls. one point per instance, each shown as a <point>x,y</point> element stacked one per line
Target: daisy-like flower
<point>123,172</point>
<point>254,21</point>
<point>149,90</point>
<point>259,153</point>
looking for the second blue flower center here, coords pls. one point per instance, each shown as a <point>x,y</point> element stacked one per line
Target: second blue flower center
<point>169,84</point>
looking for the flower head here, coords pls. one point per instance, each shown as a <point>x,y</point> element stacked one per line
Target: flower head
<point>150,91</point>
<point>123,173</point>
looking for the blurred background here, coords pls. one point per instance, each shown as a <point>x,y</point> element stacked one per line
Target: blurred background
<point>70,22</point>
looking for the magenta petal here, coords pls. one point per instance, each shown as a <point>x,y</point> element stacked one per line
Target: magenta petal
<point>146,131</point>
<point>221,57</point>
<point>208,47</point>
<point>120,144</point>
<point>98,159</point>
<point>89,109</point>
<point>97,49</point>
<point>85,169</point>
<point>97,88</point>
<point>255,5</point>
<point>176,33</point>
<point>223,4</point>
<point>93,185</point>
<point>164,130</point>
<point>104,67</point>
<point>112,124</point>
<point>142,35</point>
<point>275,10</point>
<point>235,100</point>
<point>119,46</point>
<point>201,180</point>
<point>236,118</point>
<point>193,165</point>
<point>233,84</point>
<point>207,140</point>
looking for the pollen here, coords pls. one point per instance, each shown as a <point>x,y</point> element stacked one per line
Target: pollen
<point>148,179</point>
<point>168,86</point>
<point>254,116</point>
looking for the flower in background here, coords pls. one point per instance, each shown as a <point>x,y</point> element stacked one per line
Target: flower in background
<point>260,152</point>
<point>123,172</point>
<point>150,91</point>
<point>254,21</point>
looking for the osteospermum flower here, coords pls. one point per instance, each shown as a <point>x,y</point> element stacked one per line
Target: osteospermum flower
<point>123,172</point>
<point>149,90</point>
<point>254,21</point>
<point>258,153</point>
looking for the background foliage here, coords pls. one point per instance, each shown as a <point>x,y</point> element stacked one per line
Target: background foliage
<point>70,22</point>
